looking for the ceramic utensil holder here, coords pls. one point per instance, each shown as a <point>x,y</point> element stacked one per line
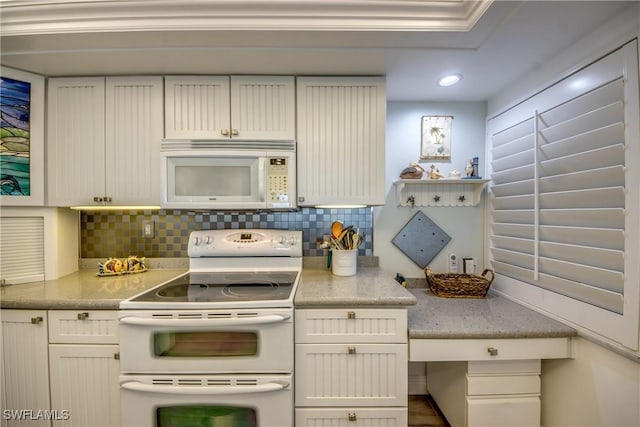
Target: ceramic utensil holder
<point>344,262</point>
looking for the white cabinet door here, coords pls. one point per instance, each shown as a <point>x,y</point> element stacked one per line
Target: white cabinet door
<point>104,141</point>
<point>351,375</point>
<point>133,134</point>
<point>84,381</point>
<point>351,417</point>
<point>263,108</point>
<point>75,140</point>
<point>341,140</point>
<point>236,107</point>
<point>25,367</point>
<point>197,107</point>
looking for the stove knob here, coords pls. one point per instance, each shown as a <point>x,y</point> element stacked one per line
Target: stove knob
<point>209,240</point>
<point>196,241</point>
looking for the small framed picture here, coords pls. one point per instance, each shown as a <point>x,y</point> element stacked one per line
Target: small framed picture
<point>436,138</point>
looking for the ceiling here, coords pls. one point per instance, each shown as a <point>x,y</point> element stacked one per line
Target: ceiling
<point>490,43</point>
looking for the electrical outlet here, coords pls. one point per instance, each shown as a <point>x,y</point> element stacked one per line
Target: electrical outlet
<point>453,263</point>
<point>148,229</point>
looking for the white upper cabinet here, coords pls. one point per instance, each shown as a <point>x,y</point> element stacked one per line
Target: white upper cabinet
<point>103,140</point>
<point>223,107</point>
<point>341,140</point>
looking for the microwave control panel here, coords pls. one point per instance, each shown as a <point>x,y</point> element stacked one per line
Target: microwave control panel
<point>278,180</point>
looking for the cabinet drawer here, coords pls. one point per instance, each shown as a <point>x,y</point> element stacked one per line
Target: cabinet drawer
<point>351,375</point>
<point>351,326</point>
<point>435,350</point>
<point>507,384</point>
<point>504,412</point>
<point>344,417</point>
<point>88,327</point>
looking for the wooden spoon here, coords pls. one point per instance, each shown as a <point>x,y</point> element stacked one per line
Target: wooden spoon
<point>336,229</point>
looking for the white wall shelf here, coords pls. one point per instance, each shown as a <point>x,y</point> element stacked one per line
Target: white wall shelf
<point>439,192</point>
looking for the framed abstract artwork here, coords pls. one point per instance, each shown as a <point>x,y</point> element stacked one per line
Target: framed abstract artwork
<point>21,138</point>
<point>436,138</point>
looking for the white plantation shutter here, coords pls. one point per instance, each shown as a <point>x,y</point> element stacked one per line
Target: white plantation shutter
<point>21,249</point>
<point>564,197</point>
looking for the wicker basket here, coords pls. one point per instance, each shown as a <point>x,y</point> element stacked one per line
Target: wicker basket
<point>459,285</point>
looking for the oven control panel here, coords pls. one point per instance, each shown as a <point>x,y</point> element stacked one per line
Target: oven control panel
<point>245,242</point>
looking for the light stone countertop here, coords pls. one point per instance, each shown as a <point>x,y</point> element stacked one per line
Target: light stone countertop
<point>82,290</point>
<point>467,318</point>
<point>371,286</point>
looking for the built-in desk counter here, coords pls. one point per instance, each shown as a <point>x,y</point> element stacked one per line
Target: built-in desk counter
<point>484,355</point>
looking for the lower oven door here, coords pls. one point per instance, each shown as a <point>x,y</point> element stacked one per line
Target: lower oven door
<point>181,341</point>
<point>208,400</point>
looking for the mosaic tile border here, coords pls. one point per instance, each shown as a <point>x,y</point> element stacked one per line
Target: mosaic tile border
<point>119,233</point>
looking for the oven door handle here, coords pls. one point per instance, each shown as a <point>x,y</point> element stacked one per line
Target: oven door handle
<point>204,390</point>
<point>232,321</point>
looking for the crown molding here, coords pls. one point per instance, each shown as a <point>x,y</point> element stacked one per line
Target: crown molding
<point>28,17</point>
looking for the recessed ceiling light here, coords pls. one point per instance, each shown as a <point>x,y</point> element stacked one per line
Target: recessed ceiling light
<point>449,80</point>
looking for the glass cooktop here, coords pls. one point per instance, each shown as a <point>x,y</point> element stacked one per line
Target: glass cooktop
<point>212,287</point>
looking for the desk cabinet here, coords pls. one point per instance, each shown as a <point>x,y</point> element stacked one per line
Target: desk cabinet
<point>351,365</point>
<point>496,381</point>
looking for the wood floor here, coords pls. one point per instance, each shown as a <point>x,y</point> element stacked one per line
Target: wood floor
<point>424,413</point>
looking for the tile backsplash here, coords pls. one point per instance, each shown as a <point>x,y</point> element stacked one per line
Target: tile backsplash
<point>119,233</point>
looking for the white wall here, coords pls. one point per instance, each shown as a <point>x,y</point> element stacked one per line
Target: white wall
<point>599,387</point>
<point>463,224</point>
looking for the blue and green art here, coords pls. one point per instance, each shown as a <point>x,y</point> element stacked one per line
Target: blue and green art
<point>15,98</point>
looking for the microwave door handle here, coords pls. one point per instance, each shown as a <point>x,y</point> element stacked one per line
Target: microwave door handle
<point>234,321</point>
<point>204,390</point>
<point>262,182</point>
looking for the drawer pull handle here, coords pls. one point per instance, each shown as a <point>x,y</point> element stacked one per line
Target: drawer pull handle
<point>116,356</point>
<point>351,315</point>
<point>36,320</point>
<point>83,316</point>
<point>351,350</point>
<point>352,416</point>
<point>492,351</point>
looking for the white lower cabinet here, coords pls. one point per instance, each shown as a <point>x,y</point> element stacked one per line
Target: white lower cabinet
<point>60,368</point>
<point>85,367</point>
<point>502,393</point>
<point>351,365</point>
<point>24,368</point>
<point>360,417</point>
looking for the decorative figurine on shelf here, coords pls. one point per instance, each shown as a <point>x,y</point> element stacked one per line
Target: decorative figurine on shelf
<point>414,171</point>
<point>454,174</point>
<point>434,173</point>
<point>469,169</point>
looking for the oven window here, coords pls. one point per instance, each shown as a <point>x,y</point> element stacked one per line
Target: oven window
<point>205,344</point>
<point>205,416</point>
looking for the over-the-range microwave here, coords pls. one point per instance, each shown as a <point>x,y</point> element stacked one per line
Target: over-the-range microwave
<point>228,175</point>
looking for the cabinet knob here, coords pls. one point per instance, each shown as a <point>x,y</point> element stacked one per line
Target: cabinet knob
<point>224,132</point>
<point>108,199</point>
<point>116,356</point>
<point>97,199</point>
<point>351,350</point>
<point>436,198</point>
<point>352,416</point>
<point>462,198</point>
<point>36,320</point>
<point>234,132</point>
<point>492,351</point>
<point>83,316</point>
<point>301,199</point>
<point>351,315</point>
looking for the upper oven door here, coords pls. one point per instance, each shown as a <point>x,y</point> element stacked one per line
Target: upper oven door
<point>214,341</point>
